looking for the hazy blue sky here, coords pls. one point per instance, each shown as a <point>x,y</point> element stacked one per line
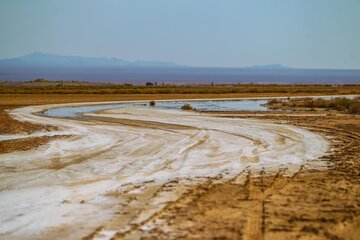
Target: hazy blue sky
<point>299,33</point>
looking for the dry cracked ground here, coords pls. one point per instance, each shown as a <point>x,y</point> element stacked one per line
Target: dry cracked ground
<point>161,190</point>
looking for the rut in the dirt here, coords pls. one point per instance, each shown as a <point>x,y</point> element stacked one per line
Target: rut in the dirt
<point>308,204</point>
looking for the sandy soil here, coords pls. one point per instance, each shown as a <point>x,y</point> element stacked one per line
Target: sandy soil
<point>24,144</point>
<point>131,157</point>
<point>310,204</point>
<point>131,173</point>
<point>10,127</point>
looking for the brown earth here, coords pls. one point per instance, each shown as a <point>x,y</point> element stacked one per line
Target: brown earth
<point>9,126</point>
<point>25,143</point>
<point>141,123</point>
<point>311,204</point>
<point>37,99</point>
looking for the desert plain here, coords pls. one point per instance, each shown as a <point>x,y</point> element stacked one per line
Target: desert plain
<point>148,173</point>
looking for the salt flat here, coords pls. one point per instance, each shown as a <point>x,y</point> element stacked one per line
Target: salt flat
<point>117,159</point>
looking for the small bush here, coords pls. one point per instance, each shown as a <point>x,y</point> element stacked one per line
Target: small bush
<point>273,101</point>
<point>354,108</point>
<point>152,103</point>
<point>342,104</point>
<point>187,107</point>
<point>309,103</point>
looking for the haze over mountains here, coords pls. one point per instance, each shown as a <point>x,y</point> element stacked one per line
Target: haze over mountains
<point>56,67</point>
<point>38,58</point>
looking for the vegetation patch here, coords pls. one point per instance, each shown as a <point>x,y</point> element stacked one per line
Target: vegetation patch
<point>187,107</point>
<point>43,86</point>
<point>340,104</point>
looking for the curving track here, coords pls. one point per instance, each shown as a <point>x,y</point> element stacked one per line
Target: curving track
<point>120,169</point>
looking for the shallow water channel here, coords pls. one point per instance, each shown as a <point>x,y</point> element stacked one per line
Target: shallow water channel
<point>208,105</point>
<point>202,105</point>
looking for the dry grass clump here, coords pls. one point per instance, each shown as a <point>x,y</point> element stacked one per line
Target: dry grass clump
<point>340,104</point>
<point>354,108</point>
<point>187,107</point>
<point>152,103</point>
<point>274,101</point>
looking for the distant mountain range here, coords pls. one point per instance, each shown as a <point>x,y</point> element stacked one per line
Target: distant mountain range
<point>46,59</point>
<point>95,69</point>
<point>269,67</point>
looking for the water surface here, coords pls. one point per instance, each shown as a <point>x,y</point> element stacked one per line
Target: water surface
<point>201,105</point>
<point>206,105</point>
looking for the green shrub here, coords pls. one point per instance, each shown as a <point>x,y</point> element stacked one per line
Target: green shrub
<point>152,103</point>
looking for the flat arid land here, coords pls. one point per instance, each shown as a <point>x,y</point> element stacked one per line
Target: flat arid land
<point>142,173</point>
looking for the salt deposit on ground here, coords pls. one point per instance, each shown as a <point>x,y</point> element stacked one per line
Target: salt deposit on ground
<point>66,183</point>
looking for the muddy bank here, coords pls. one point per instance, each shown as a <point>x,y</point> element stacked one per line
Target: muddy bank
<point>25,144</point>
<point>11,126</point>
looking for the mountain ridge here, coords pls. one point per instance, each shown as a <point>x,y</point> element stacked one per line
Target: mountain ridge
<point>269,67</point>
<point>39,58</point>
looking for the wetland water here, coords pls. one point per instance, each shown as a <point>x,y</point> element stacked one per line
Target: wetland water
<point>206,105</point>
<point>202,105</point>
